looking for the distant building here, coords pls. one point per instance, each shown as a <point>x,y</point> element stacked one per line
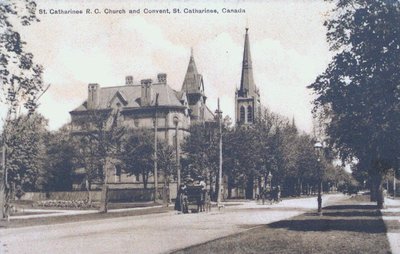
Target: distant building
<point>247,97</point>
<point>138,103</point>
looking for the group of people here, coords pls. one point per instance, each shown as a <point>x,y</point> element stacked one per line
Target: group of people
<point>273,195</point>
<point>202,196</point>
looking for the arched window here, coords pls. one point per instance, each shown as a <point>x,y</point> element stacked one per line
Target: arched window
<point>242,114</point>
<point>249,114</point>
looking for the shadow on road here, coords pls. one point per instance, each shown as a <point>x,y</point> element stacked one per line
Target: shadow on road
<point>352,218</point>
<point>351,207</point>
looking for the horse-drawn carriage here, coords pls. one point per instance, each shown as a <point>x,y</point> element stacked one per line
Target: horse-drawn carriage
<point>192,198</point>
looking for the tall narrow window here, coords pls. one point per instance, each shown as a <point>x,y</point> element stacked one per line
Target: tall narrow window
<point>249,114</point>
<point>242,114</point>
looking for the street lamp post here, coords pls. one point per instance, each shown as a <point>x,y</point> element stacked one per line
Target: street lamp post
<point>318,148</point>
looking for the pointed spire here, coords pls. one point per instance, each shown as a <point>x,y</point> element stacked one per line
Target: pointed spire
<point>193,80</point>
<point>247,86</point>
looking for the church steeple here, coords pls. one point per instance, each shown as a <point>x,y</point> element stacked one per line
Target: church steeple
<point>247,86</point>
<point>247,97</point>
<point>193,82</point>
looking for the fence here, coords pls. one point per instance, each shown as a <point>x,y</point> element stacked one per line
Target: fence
<point>61,195</point>
<point>114,195</point>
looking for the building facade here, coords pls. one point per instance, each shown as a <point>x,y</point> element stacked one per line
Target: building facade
<point>141,104</point>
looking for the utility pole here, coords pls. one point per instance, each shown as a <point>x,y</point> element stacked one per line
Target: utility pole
<point>178,166</point>
<point>155,152</point>
<point>219,112</point>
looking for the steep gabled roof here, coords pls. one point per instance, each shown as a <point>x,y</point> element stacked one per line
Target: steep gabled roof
<point>131,96</point>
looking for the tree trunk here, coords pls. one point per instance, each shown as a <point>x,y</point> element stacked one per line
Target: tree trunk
<point>104,199</point>
<point>260,187</point>
<point>3,183</point>
<point>300,187</point>
<point>373,190</point>
<point>249,187</point>
<point>229,187</point>
<point>379,192</point>
<point>145,181</point>
<point>2,200</point>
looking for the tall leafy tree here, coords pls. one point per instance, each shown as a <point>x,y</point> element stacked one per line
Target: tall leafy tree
<point>99,135</point>
<point>360,88</point>
<point>21,81</point>
<point>138,154</point>
<point>26,152</point>
<point>21,78</point>
<point>201,151</point>
<point>166,163</point>
<point>59,161</point>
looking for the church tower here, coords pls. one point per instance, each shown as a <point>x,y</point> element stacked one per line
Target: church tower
<point>193,86</point>
<point>247,97</point>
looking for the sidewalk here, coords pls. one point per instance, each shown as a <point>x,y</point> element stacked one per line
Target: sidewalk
<point>348,226</point>
<point>44,213</point>
<point>391,217</point>
<point>35,217</point>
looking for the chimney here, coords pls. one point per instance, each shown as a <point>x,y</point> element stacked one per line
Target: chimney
<point>93,96</point>
<point>162,78</point>
<point>146,92</point>
<point>129,80</point>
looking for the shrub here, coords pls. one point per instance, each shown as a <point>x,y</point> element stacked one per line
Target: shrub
<point>65,203</point>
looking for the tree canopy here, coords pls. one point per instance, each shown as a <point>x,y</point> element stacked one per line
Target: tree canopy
<point>359,92</point>
<point>360,88</point>
<point>26,152</point>
<point>21,78</point>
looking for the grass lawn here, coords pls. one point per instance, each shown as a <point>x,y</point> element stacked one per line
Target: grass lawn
<point>348,227</point>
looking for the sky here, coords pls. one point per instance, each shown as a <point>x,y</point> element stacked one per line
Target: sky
<point>287,42</point>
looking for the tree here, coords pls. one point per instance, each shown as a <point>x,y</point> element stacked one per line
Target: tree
<point>26,152</point>
<point>138,153</point>
<point>359,90</point>
<point>59,161</point>
<point>166,157</point>
<point>21,79</point>
<point>99,137</point>
<point>200,151</point>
